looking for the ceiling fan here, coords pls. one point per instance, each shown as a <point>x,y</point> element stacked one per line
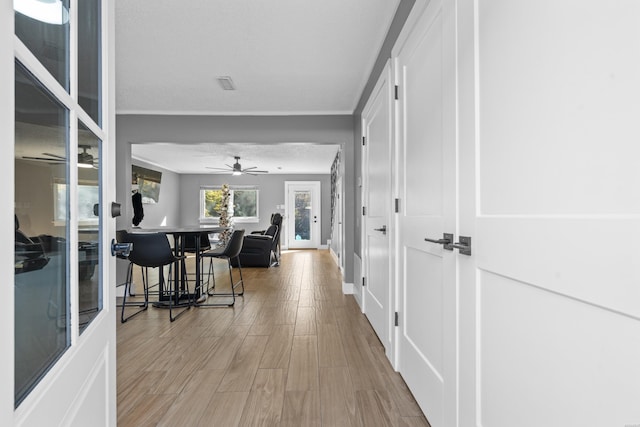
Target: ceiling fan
<point>236,169</point>
<point>85,160</point>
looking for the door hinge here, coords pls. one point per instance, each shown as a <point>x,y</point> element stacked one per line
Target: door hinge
<point>364,282</point>
<point>396,318</point>
<point>396,92</point>
<point>397,205</point>
<point>364,140</point>
<point>364,211</point>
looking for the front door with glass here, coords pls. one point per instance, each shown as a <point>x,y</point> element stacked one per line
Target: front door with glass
<point>303,214</point>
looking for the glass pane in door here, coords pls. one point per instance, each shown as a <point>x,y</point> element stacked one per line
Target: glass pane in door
<point>89,249</point>
<point>303,215</point>
<point>89,50</point>
<point>42,330</point>
<point>43,26</point>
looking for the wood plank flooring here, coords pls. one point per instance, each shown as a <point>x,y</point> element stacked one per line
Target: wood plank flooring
<point>293,351</point>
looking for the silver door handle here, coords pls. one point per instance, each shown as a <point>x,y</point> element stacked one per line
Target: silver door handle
<point>383,229</point>
<point>446,241</point>
<point>464,245</point>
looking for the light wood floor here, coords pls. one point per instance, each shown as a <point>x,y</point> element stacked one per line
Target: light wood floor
<point>294,351</point>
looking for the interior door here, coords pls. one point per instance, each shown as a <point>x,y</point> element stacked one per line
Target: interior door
<point>551,326</point>
<point>427,186</point>
<point>63,179</point>
<point>376,171</point>
<point>303,214</point>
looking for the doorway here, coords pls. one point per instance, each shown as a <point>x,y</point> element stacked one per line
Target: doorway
<point>302,214</point>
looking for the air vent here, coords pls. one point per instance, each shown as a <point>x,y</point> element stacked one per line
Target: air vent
<point>226,83</point>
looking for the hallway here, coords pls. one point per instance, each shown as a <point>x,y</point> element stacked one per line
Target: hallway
<point>294,351</point>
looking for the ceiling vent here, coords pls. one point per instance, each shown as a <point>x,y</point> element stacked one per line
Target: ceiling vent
<point>226,83</point>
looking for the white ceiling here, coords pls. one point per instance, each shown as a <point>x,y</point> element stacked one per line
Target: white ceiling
<point>285,158</point>
<point>285,56</point>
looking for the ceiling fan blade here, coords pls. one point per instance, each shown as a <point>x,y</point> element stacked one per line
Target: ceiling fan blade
<point>54,155</point>
<point>45,159</point>
<point>254,172</point>
<point>219,169</point>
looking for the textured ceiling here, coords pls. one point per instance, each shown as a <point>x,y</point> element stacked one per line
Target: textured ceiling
<point>285,158</point>
<point>285,56</point>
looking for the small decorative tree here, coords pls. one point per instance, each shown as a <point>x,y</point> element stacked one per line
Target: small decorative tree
<point>223,215</point>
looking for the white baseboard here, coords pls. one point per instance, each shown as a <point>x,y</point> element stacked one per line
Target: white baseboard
<point>347,288</point>
<point>335,258</point>
<point>325,247</point>
<point>357,278</point>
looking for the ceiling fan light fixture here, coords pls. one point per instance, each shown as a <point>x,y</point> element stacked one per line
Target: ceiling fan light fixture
<point>48,11</point>
<point>85,160</point>
<point>226,83</point>
<point>236,173</point>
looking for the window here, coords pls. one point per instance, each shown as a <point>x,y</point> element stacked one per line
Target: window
<point>243,204</point>
<point>88,196</point>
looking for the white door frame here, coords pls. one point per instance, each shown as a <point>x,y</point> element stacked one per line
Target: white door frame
<point>7,233</point>
<point>316,217</point>
<point>380,106</point>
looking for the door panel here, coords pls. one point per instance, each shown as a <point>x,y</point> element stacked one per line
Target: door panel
<point>63,214</point>
<point>377,158</point>
<point>427,181</point>
<point>541,341</point>
<point>553,315</point>
<point>424,327</point>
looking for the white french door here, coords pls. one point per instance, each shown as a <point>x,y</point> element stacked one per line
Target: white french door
<point>550,307</point>
<point>302,214</point>
<point>427,305</point>
<point>59,168</point>
<point>377,157</point>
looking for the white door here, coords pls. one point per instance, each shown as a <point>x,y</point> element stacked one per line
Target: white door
<point>550,309</point>
<point>303,214</point>
<point>377,130</point>
<point>427,183</point>
<point>62,180</point>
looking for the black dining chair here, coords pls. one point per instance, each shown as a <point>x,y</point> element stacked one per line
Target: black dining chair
<point>152,250</point>
<point>229,252</point>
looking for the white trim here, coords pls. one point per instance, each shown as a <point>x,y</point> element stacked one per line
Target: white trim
<point>357,278</point>
<point>7,194</point>
<point>335,258</point>
<point>347,288</point>
<point>233,113</point>
<point>316,227</point>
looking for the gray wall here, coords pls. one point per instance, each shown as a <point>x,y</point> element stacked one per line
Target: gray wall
<point>167,210</point>
<point>271,194</point>
<point>336,129</point>
<point>344,130</point>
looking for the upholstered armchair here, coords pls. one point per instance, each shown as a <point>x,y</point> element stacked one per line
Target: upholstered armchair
<point>262,248</point>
